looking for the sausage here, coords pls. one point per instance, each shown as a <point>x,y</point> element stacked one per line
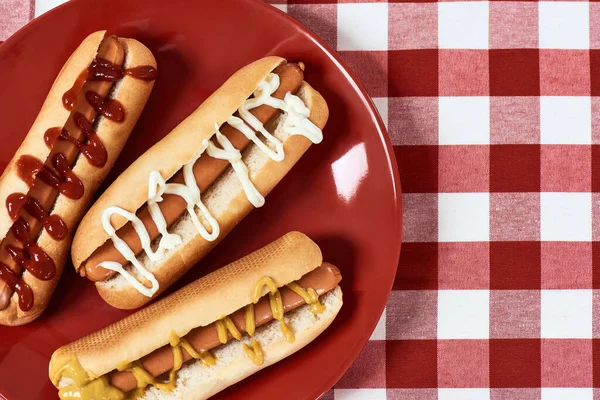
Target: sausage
<point>112,50</point>
<point>322,279</point>
<point>206,171</point>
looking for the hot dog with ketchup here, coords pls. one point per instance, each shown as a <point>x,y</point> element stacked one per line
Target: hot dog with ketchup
<point>199,182</point>
<point>212,333</point>
<point>48,185</point>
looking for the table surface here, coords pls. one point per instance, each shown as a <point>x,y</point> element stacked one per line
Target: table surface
<point>492,110</point>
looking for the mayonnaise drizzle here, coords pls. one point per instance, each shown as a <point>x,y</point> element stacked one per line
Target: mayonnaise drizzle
<point>296,122</point>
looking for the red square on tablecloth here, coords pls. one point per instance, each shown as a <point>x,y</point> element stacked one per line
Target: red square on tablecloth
<point>566,265</point>
<point>415,315</point>
<point>413,120</point>
<point>418,167</point>
<point>513,25</point>
<point>412,26</point>
<point>413,73</point>
<point>420,221</point>
<point>595,168</point>
<point>566,168</point>
<point>418,267</point>
<point>596,361</point>
<point>313,15</point>
<point>464,265</point>
<point>14,15</point>
<point>595,72</point>
<point>596,264</point>
<point>514,216</point>
<point>516,394</point>
<point>566,363</point>
<point>564,72</point>
<point>515,363</point>
<point>515,168</point>
<point>463,168</point>
<point>514,72</point>
<point>463,363</point>
<point>368,371</point>
<point>515,265</point>
<point>514,120</point>
<point>371,67</point>
<point>464,72</point>
<point>411,363</point>
<point>515,314</point>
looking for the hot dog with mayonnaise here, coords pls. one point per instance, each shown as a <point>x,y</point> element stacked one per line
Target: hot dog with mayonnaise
<point>197,183</point>
<point>46,188</point>
<point>212,333</point>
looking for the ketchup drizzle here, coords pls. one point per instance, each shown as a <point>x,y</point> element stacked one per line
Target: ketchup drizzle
<point>91,148</point>
<point>103,70</point>
<point>27,168</point>
<point>144,72</point>
<point>18,286</point>
<point>110,108</point>
<point>53,223</point>
<point>70,96</point>
<point>31,256</point>
<point>62,178</point>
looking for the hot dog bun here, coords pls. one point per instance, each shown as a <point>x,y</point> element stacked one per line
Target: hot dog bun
<point>199,304</point>
<point>133,94</point>
<point>225,199</point>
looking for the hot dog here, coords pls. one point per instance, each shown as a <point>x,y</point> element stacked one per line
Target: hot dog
<point>193,348</point>
<point>81,129</point>
<point>169,226</point>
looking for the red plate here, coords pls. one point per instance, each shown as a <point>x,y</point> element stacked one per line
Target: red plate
<point>344,193</point>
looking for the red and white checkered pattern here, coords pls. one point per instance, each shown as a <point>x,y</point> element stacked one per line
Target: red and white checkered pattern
<point>492,110</point>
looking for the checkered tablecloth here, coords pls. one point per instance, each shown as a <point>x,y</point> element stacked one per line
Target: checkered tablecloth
<point>492,110</point>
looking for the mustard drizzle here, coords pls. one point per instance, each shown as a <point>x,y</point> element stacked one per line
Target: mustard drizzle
<point>144,378</point>
<point>254,352</point>
<point>250,321</point>
<point>309,295</point>
<point>82,387</point>
<point>224,325</point>
<point>275,304</point>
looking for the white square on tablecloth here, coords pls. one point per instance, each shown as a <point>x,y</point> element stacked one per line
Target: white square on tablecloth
<point>566,216</point>
<point>379,332</point>
<point>282,7</point>
<point>359,394</point>
<point>566,314</point>
<point>362,26</point>
<point>566,120</point>
<point>42,6</point>
<point>463,25</point>
<point>463,314</point>
<point>464,120</point>
<point>564,25</point>
<point>463,217</point>
<point>463,394</point>
<point>567,393</point>
<point>382,106</point>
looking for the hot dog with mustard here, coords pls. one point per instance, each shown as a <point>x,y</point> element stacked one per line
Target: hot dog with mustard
<point>210,334</point>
